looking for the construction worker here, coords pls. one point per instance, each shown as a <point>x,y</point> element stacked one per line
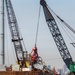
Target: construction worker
<point>34,55</point>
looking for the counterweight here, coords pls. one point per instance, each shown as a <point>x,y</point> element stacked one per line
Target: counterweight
<point>60,43</point>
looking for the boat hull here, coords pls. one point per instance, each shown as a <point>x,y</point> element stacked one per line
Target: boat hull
<point>22,73</point>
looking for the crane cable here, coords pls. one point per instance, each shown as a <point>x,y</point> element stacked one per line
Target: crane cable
<point>63,22</point>
<point>37,25</point>
<point>24,45</point>
<point>66,30</point>
<point>67,25</point>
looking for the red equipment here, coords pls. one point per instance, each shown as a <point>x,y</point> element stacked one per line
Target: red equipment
<point>34,54</point>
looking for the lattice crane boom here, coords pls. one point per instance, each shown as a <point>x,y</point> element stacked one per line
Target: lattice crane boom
<point>14,29</point>
<point>57,36</point>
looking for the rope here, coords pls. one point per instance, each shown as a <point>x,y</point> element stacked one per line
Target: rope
<point>24,46</point>
<point>64,23</point>
<point>65,30</point>
<point>69,33</point>
<point>67,25</point>
<point>37,26</point>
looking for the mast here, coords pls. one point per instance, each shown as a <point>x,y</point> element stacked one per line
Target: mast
<point>3,35</point>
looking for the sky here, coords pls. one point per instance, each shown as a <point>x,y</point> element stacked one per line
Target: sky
<point>26,12</point>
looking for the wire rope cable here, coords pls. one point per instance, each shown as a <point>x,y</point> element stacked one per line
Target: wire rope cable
<point>67,25</point>
<point>24,46</point>
<point>66,31</point>
<point>64,24</point>
<point>37,25</point>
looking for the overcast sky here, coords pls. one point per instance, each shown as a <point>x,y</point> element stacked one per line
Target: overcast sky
<point>27,15</point>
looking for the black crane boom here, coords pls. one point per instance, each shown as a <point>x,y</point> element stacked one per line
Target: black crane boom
<point>60,43</point>
<point>14,29</point>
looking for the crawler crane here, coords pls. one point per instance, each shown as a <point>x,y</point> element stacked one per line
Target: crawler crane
<point>23,58</point>
<point>21,54</point>
<point>57,36</point>
<point>15,34</point>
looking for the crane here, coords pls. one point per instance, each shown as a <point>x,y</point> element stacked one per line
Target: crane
<point>52,25</point>
<point>56,34</point>
<point>23,58</point>
<point>15,34</point>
